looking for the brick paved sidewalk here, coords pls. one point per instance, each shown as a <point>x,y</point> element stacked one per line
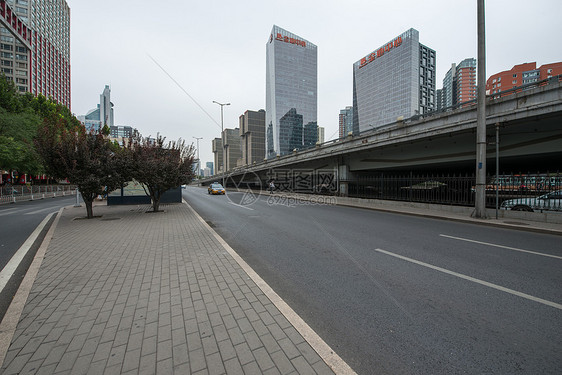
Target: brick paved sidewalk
<point>145,293</point>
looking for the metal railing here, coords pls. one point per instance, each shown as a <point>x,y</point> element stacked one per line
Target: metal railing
<point>522,189</point>
<point>17,193</point>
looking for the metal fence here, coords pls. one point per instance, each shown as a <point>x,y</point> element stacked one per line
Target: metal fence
<point>16,193</point>
<point>524,189</point>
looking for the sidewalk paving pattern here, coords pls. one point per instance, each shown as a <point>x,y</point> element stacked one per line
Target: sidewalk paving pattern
<point>150,293</point>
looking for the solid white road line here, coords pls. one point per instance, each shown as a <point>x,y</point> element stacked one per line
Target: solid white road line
<point>41,210</point>
<point>500,246</point>
<point>474,280</point>
<point>16,259</point>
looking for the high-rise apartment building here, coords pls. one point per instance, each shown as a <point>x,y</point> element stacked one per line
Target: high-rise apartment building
<point>395,80</point>
<point>520,75</point>
<point>35,46</point>
<point>291,91</point>
<point>466,89</point>
<point>346,121</point>
<point>252,136</point>
<point>459,84</point>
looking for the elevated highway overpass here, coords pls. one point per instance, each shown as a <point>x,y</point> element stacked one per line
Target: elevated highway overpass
<point>530,128</point>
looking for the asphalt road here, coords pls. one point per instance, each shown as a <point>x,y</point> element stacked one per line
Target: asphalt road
<point>19,220</point>
<point>397,294</point>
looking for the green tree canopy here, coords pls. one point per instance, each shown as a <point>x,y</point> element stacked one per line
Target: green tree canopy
<point>21,115</point>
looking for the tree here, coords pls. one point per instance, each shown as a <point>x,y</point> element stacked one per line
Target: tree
<point>18,126</point>
<point>21,115</point>
<point>87,160</point>
<point>160,167</point>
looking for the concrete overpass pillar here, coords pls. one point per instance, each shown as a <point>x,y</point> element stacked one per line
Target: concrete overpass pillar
<point>344,176</point>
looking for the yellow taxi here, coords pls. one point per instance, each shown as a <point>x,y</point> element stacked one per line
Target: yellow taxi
<point>215,189</point>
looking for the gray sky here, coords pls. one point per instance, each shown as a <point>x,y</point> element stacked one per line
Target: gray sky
<point>215,49</point>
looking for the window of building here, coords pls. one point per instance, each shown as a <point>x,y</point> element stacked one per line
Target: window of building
<point>549,71</point>
<point>515,76</point>
<point>499,79</point>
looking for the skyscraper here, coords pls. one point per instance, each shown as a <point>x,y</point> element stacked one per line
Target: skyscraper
<point>35,46</point>
<point>345,121</point>
<point>231,148</point>
<point>291,91</point>
<point>459,84</point>
<point>397,79</point>
<point>102,114</point>
<point>218,151</point>
<point>252,136</point>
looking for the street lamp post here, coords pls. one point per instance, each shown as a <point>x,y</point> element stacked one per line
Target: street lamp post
<point>480,197</point>
<point>198,161</point>
<point>222,130</point>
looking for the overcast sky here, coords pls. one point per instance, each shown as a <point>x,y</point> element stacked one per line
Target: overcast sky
<point>215,50</point>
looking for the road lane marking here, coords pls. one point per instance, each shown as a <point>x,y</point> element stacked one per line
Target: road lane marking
<point>16,259</point>
<point>474,280</point>
<point>239,205</point>
<point>501,246</point>
<point>41,210</point>
<point>7,211</point>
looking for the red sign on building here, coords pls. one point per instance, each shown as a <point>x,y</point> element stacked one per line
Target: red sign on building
<point>381,51</point>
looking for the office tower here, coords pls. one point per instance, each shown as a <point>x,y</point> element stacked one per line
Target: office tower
<point>231,148</point>
<point>252,136</point>
<point>218,152</point>
<point>35,46</point>
<point>209,165</point>
<point>395,80</point>
<point>321,132</point>
<point>346,121</point>
<point>291,91</point>
<point>101,115</point>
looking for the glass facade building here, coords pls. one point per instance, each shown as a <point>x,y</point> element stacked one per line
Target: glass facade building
<point>291,91</point>
<point>397,79</point>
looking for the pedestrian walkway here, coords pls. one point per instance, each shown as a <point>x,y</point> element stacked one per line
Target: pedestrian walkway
<point>131,292</point>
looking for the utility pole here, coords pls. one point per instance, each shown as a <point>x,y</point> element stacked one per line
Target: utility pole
<point>198,160</point>
<point>222,130</point>
<point>480,199</point>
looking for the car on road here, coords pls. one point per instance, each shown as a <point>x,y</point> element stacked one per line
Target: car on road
<point>547,202</point>
<point>216,189</point>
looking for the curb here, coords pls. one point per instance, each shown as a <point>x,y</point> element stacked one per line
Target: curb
<point>328,355</point>
<point>11,318</point>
